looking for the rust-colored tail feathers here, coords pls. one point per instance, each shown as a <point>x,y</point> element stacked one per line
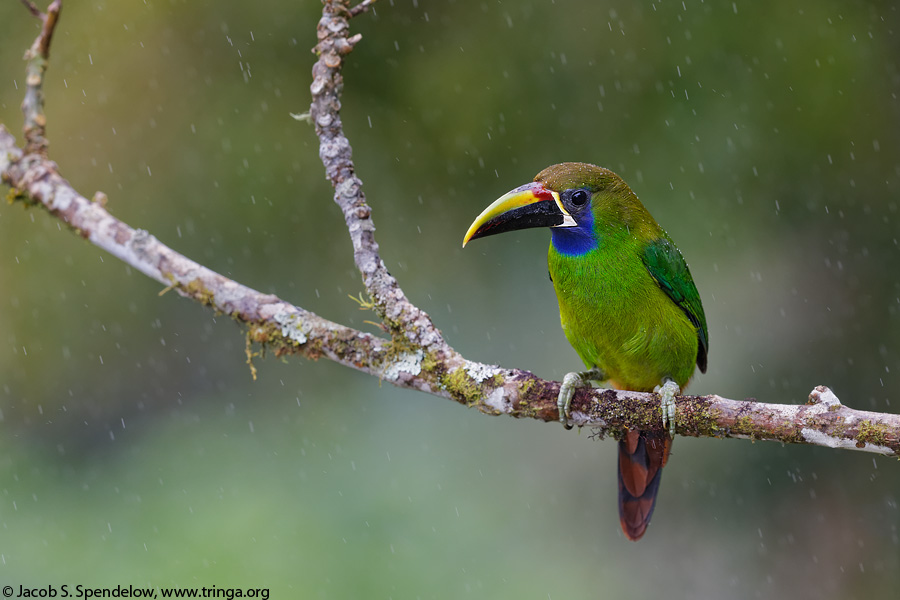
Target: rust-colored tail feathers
<point>642,455</point>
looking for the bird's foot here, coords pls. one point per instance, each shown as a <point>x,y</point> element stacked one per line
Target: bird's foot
<point>570,383</point>
<point>667,392</point>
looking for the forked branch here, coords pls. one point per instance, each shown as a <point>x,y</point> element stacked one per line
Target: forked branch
<point>416,356</point>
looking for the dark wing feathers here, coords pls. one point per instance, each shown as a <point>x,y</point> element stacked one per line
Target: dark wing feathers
<point>667,267</point>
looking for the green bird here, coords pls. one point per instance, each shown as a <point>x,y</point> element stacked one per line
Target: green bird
<point>627,303</point>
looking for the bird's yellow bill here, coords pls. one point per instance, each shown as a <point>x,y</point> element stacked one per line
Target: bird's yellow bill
<point>529,205</point>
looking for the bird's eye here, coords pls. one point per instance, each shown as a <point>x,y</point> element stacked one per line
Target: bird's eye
<point>579,197</point>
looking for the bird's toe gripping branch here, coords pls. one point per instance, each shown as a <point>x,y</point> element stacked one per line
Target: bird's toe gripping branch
<point>570,383</point>
<point>667,392</point>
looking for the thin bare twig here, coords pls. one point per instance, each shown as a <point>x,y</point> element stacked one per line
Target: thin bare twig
<point>417,356</point>
<point>50,19</point>
<point>37,57</point>
<point>403,319</point>
<point>361,7</point>
<point>33,9</point>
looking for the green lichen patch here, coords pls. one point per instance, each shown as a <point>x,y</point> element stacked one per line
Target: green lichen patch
<point>462,387</point>
<point>270,338</point>
<point>626,412</point>
<point>248,350</point>
<point>532,398</point>
<point>15,194</point>
<point>701,420</point>
<point>788,433</point>
<point>744,426</point>
<point>872,433</point>
<point>196,289</point>
<point>431,364</point>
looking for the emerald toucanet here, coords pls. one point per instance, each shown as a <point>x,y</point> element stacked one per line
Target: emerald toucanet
<point>627,303</point>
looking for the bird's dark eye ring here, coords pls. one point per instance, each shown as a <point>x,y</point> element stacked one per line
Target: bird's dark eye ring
<point>579,198</point>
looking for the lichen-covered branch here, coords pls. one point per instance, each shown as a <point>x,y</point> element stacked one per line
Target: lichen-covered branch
<point>362,7</point>
<point>416,356</point>
<point>34,179</point>
<point>400,316</point>
<point>37,58</point>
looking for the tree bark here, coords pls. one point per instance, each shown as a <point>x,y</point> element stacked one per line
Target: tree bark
<point>415,355</point>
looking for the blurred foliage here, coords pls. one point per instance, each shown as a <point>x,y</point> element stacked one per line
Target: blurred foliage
<point>762,135</point>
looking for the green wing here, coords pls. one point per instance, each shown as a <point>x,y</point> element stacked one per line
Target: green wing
<point>667,267</point>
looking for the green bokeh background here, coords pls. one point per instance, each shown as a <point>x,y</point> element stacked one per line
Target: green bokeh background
<point>137,450</point>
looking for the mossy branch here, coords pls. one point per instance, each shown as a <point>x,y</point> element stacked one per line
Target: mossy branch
<point>416,356</point>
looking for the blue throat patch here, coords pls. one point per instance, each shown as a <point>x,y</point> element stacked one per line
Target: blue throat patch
<point>578,240</point>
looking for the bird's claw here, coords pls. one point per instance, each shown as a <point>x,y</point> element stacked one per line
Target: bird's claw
<point>570,383</point>
<point>667,392</point>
